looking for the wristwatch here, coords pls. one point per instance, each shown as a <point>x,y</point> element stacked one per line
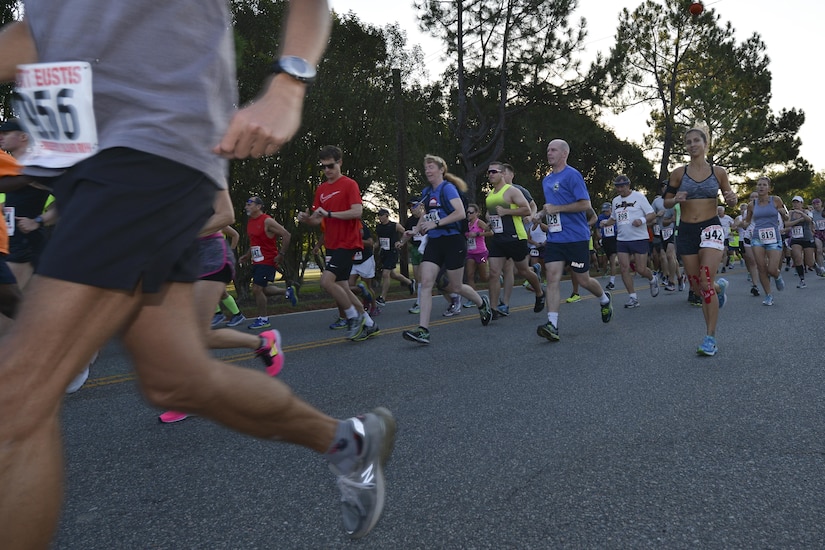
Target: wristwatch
<point>299,69</point>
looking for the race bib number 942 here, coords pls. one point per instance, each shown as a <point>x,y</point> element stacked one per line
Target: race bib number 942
<point>55,105</point>
<point>713,236</point>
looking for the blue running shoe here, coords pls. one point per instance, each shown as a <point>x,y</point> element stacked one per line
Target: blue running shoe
<point>236,320</point>
<point>291,295</point>
<point>708,347</point>
<point>723,288</point>
<point>365,293</point>
<point>218,319</point>
<point>260,322</point>
<point>339,324</point>
<point>780,283</point>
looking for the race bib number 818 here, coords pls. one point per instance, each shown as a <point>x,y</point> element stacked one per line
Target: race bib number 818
<point>55,105</point>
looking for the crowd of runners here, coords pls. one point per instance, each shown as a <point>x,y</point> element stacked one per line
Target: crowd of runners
<point>139,229</point>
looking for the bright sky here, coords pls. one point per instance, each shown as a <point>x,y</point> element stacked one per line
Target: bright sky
<point>790,29</point>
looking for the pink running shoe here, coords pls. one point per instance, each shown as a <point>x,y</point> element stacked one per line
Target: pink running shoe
<point>172,416</point>
<point>271,353</point>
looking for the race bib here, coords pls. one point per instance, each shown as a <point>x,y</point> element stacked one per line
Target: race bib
<point>432,216</point>
<point>768,235</point>
<point>609,231</point>
<point>820,225</point>
<point>358,256</point>
<point>797,232</point>
<point>384,242</point>
<point>657,230</point>
<point>713,236</point>
<point>622,218</point>
<point>471,244</point>
<point>496,224</point>
<point>554,223</point>
<point>55,105</point>
<point>8,212</point>
<point>667,232</point>
<point>257,255</point>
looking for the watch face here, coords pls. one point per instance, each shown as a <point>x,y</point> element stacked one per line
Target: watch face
<point>298,68</point>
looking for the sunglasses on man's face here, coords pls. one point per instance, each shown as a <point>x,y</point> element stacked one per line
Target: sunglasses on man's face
<point>329,166</point>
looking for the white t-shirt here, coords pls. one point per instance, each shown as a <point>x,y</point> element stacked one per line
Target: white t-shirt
<point>635,206</point>
<point>726,221</point>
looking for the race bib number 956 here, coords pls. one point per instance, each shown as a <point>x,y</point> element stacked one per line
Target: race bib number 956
<point>55,105</point>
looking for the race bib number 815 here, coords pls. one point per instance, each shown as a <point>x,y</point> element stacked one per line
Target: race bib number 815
<point>55,105</point>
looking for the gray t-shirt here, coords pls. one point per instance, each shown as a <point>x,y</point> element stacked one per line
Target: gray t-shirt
<point>163,72</point>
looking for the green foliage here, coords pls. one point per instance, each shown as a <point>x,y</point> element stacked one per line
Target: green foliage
<point>10,11</point>
<point>352,105</point>
<point>508,55</point>
<point>694,73</point>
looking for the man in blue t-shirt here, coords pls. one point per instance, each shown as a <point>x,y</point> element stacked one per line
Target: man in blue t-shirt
<point>567,203</point>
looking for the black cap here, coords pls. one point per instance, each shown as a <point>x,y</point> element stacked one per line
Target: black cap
<point>383,211</point>
<point>11,125</point>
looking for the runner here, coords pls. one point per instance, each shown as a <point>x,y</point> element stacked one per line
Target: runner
<point>607,231</point>
<point>147,192</point>
<point>745,236</point>
<point>700,242</point>
<point>766,212</point>
<point>445,245</point>
<point>506,207</point>
<point>338,204</point>
<point>266,256</point>
<point>477,253</point>
<point>803,247</point>
<point>566,205</point>
<point>819,234</point>
<point>631,214</point>
<point>25,200</point>
<point>388,233</point>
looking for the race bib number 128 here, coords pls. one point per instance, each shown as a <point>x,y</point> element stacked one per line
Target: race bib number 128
<point>55,105</point>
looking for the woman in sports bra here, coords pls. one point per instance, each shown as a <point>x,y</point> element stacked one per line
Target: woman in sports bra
<point>701,239</point>
<point>765,212</point>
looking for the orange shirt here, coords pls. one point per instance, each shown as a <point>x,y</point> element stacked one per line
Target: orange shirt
<point>8,165</point>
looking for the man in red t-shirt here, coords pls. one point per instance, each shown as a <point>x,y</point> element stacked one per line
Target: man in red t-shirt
<point>338,203</point>
<point>263,233</point>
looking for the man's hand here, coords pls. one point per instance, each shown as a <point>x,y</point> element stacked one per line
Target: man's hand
<point>265,125</point>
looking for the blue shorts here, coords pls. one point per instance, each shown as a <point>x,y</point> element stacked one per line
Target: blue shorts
<point>262,274</point>
<point>641,246</point>
<point>755,242</point>
<point>577,254</point>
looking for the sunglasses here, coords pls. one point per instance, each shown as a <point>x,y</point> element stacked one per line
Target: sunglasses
<point>252,201</point>
<point>329,166</point>
<point>471,211</point>
<point>493,171</point>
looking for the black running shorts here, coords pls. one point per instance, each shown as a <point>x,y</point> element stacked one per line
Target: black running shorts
<point>128,219</point>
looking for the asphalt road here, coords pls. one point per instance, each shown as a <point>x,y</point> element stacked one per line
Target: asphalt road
<point>618,436</point>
